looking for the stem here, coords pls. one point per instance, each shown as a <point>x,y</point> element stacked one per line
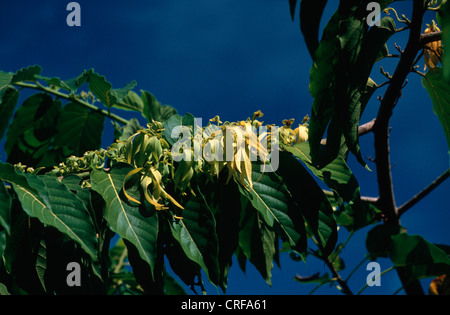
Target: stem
<point>356,268</point>
<point>342,283</point>
<point>72,98</point>
<point>367,284</point>
<point>410,203</point>
<point>372,200</point>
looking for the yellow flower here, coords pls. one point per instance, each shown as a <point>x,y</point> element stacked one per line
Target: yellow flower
<point>301,134</point>
<point>432,51</point>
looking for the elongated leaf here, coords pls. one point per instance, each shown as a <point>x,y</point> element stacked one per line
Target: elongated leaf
<point>126,220</point>
<point>439,91</point>
<point>7,105</point>
<point>5,209</point>
<point>340,76</point>
<point>79,129</point>
<point>31,132</point>
<point>46,198</point>
<point>336,174</point>
<point>312,202</point>
<point>271,198</point>
<point>196,233</point>
<point>5,216</point>
<point>26,116</point>
<point>257,242</point>
<point>443,17</point>
<point>310,16</point>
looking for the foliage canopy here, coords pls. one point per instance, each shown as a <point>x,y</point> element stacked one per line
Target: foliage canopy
<point>174,192</point>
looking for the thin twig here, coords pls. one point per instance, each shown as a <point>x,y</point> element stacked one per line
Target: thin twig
<point>366,128</point>
<point>342,283</point>
<point>407,205</point>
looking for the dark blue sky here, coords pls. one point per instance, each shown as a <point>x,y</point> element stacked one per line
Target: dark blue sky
<point>231,58</point>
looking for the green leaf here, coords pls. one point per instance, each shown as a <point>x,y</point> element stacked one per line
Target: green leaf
<point>7,105</point>
<point>132,102</point>
<point>444,19</point>
<point>379,240</point>
<point>340,81</point>
<point>4,290</point>
<point>418,257</point>
<point>102,89</point>
<point>27,74</point>
<point>79,129</point>
<point>5,209</point>
<point>185,268</point>
<point>439,91</point>
<point>46,198</point>
<point>31,132</point>
<point>123,133</point>
<point>270,196</point>
<point>120,94</point>
<point>172,286</point>
<point>310,16</point>
<point>196,233</point>
<point>124,219</point>
<point>311,201</point>
<point>257,241</point>
<point>177,123</point>
<point>70,85</point>
<point>357,215</point>
<point>336,174</point>
<point>5,81</point>
<point>153,110</point>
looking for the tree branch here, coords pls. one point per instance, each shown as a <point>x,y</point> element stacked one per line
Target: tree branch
<point>366,128</point>
<point>72,98</point>
<point>407,205</point>
<point>381,131</point>
<point>430,37</point>
<point>388,102</point>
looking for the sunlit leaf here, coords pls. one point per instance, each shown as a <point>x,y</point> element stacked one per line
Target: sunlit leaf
<point>439,91</point>
<point>312,202</point>
<point>46,198</point>
<point>418,257</point>
<point>270,196</point>
<point>257,242</point>
<point>196,233</point>
<point>154,110</point>
<point>124,219</point>
<point>79,129</point>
